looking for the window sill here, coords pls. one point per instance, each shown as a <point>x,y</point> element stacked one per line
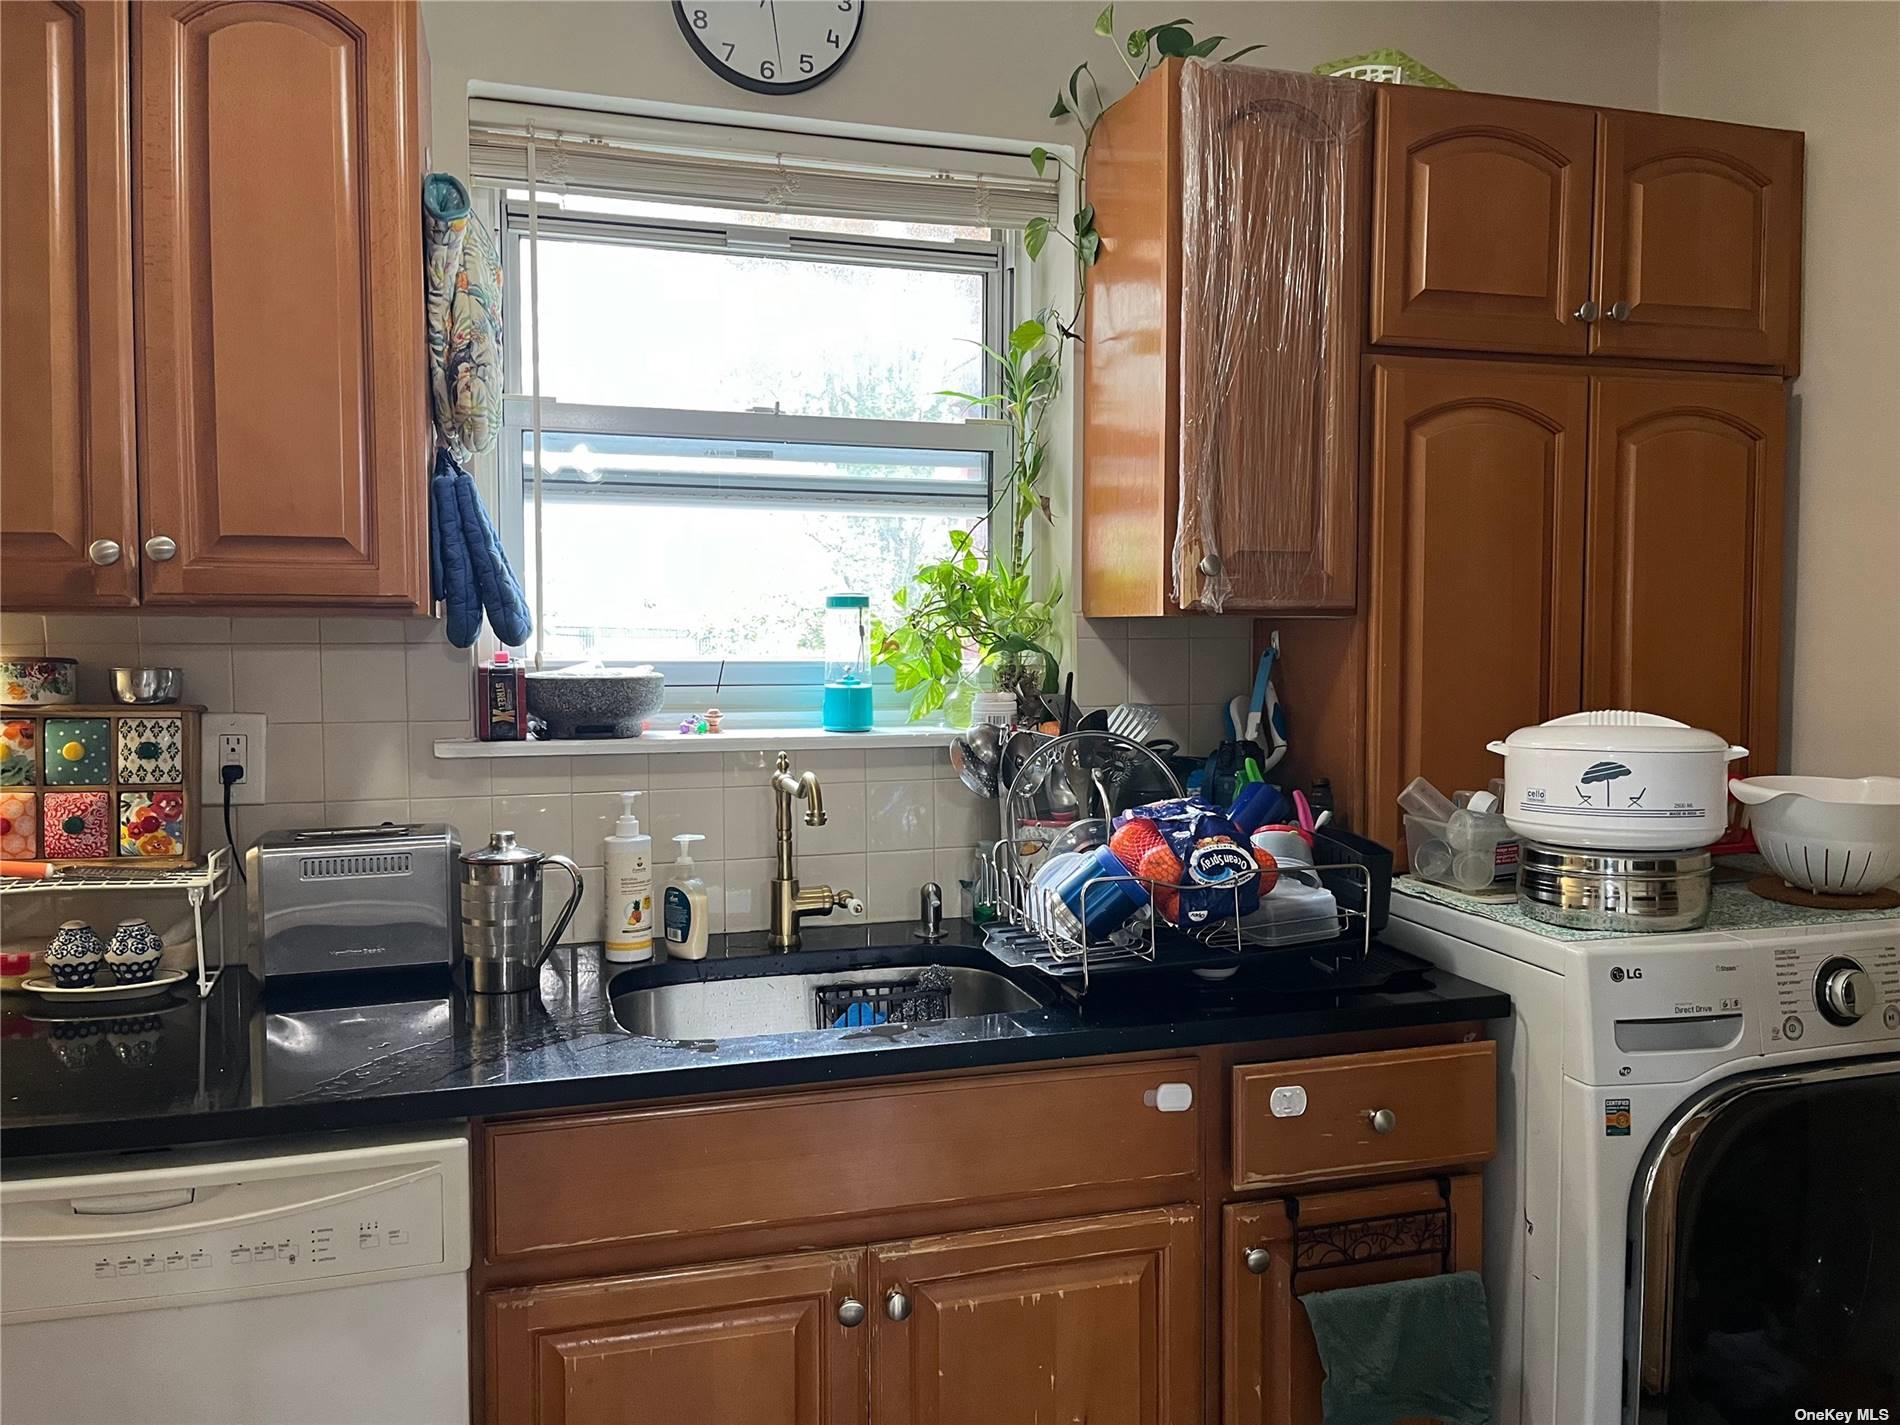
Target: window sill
<point>750,739</point>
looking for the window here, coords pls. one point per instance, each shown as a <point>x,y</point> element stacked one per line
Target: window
<point>741,413</point>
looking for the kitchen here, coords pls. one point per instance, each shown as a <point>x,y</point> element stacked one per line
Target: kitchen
<point>640,1167</point>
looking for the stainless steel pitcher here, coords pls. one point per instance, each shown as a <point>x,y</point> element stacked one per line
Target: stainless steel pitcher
<point>501,914</point>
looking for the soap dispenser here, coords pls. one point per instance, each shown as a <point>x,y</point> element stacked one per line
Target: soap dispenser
<point>686,904</point>
<point>628,861</point>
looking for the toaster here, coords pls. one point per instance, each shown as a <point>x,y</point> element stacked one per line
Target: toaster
<point>353,898</point>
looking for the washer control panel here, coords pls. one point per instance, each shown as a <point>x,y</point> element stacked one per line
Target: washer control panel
<point>1833,989</point>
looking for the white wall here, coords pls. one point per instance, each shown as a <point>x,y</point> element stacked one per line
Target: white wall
<point>1829,70</point>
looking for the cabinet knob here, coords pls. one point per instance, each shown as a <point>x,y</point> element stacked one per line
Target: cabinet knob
<point>897,1305</point>
<point>1210,565</point>
<point>1383,1120</point>
<point>160,547</point>
<point>1619,312</point>
<point>103,551</point>
<point>850,1311</point>
<point>1588,312</point>
<point>1257,1261</point>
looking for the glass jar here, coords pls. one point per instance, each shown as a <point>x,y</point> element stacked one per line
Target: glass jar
<point>847,663</point>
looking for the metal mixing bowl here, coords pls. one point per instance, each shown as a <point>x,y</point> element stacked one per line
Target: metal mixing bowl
<point>146,685</point>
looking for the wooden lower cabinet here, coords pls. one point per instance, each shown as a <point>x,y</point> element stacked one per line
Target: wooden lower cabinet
<point>1275,1251</point>
<point>1095,1319</point>
<point>744,1343</point>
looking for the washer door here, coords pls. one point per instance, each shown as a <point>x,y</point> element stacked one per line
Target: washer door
<point>1766,1275</point>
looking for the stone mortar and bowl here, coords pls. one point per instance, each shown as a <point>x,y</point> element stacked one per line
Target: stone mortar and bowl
<point>592,701</point>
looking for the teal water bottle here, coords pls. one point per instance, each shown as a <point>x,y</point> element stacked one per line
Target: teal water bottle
<point>848,663</point>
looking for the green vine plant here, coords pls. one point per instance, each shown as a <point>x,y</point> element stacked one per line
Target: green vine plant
<point>983,597</point>
<point>979,595</point>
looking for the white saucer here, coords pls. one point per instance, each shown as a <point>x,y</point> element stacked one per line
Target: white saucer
<point>47,989</point>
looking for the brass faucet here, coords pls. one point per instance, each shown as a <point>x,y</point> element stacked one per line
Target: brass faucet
<point>789,903</point>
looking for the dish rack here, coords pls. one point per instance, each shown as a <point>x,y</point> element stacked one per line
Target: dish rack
<point>1034,930</point>
<point>203,886</point>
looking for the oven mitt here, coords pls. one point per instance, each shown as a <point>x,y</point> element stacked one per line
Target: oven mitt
<point>468,573</point>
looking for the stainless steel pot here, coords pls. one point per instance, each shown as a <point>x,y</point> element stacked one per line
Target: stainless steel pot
<point>1608,890</point>
<point>501,914</point>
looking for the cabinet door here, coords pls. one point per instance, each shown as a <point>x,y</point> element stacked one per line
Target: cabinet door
<point>1481,222</point>
<point>1095,1319</point>
<point>283,447</point>
<point>1684,576</point>
<point>744,1343</point>
<point>66,433</point>
<point>1698,241</point>
<point>1275,1251</point>
<point>1273,263</point>
<point>1478,478</point>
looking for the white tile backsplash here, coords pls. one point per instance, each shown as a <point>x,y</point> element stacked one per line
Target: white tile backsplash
<point>441,683</point>
<point>284,684</point>
<point>355,705</point>
<point>364,683</point>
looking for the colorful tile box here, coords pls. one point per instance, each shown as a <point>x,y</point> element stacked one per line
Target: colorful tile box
<point>100,784</point>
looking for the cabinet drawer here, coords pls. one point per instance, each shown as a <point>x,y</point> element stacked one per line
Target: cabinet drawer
<point>561,1184</point>
<point>1353,1114</point>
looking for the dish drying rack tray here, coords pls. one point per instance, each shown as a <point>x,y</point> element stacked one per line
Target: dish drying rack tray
<point>1031,932</point>
<point>202,886</point>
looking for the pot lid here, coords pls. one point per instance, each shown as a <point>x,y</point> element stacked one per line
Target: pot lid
<point>1615,731</point>
<point>501,851</point>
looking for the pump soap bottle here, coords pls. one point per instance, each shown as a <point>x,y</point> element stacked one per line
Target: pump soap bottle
<point>628,861</point>
<point>686,906</point>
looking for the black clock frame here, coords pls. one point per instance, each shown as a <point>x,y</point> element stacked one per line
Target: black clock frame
<point>762,86</point>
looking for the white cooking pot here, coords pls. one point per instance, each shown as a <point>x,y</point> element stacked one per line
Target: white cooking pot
<point>1617,781</point>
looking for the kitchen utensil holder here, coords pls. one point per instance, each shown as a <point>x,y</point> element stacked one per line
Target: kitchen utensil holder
<point>1035,930</point>
<point>203,886</point>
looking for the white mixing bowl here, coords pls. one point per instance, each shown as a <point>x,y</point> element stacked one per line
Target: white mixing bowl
<point>1837,835</point>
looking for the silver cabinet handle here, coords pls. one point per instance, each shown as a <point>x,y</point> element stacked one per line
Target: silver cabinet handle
<point>1210,565</point>
<point>160,547</point>
<point>104,551</point>
<point>850,1311</point>
<point>1383,1120</point>
<point>897,1305</point>
<point>1619,312</point>
<point>1257,1261</point>
<point>1588,312</point>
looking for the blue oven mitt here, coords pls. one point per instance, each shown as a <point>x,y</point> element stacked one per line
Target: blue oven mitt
<point>468,573</point>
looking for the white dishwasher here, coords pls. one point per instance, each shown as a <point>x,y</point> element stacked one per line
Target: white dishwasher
<point>323,1284</point>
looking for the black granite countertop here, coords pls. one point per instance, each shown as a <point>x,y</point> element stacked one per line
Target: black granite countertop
<point>364,1052</point>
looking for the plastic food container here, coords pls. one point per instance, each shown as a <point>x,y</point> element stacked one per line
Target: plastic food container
<point>1468,851</point>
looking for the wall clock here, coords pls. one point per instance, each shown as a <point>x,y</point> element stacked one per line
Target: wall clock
<point>771,46</point>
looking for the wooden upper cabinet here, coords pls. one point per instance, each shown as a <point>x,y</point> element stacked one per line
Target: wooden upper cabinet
<point>1223,329</point>
<point>1478,473</point>
<point>1698,241</point>
<point>1095,1319</point>
<point>67,477</point>
<point>744,1343</point>
<point>284,436</point>
<point>1481,222</point>
<point>1273,1252</point>
<point>1684,554</point>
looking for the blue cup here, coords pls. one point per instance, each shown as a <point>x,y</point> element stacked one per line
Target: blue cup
<point>1100,894</point>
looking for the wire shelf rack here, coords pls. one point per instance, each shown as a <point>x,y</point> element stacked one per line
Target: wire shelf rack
<point>1035,930</point>
<point>202,886</point>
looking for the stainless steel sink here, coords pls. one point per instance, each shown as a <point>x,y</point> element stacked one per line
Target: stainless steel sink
<point>801,1001</point>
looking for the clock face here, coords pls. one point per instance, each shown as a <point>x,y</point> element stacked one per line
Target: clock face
<point>771,46</point>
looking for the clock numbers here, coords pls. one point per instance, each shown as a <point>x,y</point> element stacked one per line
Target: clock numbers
<point>771,46</point>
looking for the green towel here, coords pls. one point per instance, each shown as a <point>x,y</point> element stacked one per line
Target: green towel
<point>1403,1349</point>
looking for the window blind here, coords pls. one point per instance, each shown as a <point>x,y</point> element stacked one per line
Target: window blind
<point>730,166</point>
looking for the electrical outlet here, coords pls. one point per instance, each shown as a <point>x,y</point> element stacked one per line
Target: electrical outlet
<point>233,739</point>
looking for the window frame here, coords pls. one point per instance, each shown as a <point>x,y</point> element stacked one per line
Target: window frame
<point>760,684</point>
